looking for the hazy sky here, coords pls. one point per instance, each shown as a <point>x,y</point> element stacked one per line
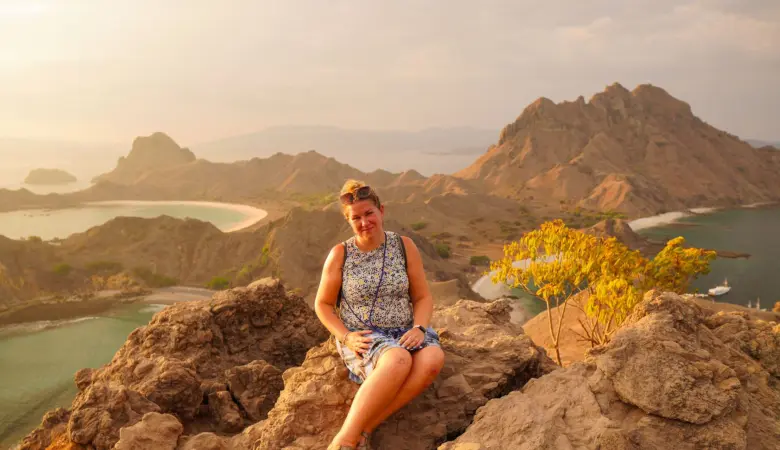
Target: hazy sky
<point>109,70</point>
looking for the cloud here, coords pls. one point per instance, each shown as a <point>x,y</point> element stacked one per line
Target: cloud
<point>202,70</point>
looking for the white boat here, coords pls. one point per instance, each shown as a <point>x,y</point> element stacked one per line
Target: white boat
<point>720,290</point>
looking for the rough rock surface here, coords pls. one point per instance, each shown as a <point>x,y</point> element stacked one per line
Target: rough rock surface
<point>256,387</point>
<point>486,357</point>
<point>674,377</point>
<point>100,411</point>
<point>155,431</point>
<point>54,423</point>
<point>187,361</point>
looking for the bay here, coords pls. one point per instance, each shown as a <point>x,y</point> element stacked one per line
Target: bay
<point>755,231</point>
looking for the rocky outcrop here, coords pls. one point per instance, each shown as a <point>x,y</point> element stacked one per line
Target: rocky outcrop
<point>486,357</point>
<point>53,425</point>
<point>674,377</point>
<point>148,154</point>
<point>242,387</point>
<point>49,176</point>
<point>213,365</point>
<point>101,410</point>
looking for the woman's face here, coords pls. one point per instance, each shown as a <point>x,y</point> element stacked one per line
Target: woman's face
<point>365,218</point>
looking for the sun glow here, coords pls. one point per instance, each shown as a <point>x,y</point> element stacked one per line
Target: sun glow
<point>24,8</point>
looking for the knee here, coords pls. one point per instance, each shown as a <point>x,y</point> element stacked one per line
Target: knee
<point>398,360</point>
<point>433,361</point>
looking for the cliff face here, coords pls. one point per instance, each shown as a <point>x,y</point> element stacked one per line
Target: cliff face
<point>640,152</point>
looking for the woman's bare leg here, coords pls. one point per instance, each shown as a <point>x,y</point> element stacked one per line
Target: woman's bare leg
<point>426,365</point>
<point>376,392</point>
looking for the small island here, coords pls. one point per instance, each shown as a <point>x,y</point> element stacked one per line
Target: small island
<point>49,176</point>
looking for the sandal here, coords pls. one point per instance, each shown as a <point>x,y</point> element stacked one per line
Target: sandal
<point>365,443</point>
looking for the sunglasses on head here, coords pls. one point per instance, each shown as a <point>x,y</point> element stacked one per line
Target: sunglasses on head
<point>362,193</point>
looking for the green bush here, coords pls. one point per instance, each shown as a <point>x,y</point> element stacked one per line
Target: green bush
<point>442,249</point>
<point>218,283</point>
<point>36,239</point>
<point>62,269</point>
<point>154,279</point>
<point>479,260</point>
<point>417,226</point>
<point>105,267</point>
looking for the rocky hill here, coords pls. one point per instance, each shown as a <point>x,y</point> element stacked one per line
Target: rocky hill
<point>49,176</point>
<point>234,372</point>
<point>641,152</point>
<point>148,153</point>
<point>189,252</point>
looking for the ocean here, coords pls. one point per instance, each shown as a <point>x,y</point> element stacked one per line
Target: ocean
<point>748,230</point>
<point>39,359</point>
<point>754,231</point>
<point>60,223</point>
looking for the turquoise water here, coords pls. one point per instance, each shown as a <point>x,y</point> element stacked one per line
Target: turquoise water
<point>753,231</point>
<point>39,360</point>
<point>60,223</point>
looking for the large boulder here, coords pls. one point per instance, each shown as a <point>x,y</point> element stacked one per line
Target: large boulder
<point>215,365</point>
<point>486,357</point>
<point>155,431</point>
<point>99,412</point>
<point>674,377</point>
<point>54,424</point>
<point>256,387</point>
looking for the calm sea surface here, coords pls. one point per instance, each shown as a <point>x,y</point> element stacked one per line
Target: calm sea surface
<point>753,231</point>
<point>38,361</point>
<point>61,223</point>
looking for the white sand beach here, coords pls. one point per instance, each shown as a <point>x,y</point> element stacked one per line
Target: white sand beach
<point>253,214</point>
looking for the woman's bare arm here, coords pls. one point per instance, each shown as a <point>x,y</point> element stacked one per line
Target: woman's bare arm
<point>325,303</point>
<point>422,300</point>
<point>328,292</point>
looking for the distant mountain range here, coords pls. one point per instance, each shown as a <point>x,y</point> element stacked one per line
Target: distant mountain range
<point>428,151</point>
<point>641,152</point>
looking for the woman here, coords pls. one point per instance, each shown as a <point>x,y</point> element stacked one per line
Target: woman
<point>374,298</point>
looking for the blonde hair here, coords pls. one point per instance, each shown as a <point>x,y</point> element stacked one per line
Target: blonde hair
<point>352,186</point>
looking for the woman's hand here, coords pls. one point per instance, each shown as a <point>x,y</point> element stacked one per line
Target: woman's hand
<point>357,341</point>
<point>412,338</point>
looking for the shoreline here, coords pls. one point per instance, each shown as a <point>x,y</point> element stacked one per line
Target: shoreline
<point>70,310</point>
<point>668,218</point>
<point>254,214</point>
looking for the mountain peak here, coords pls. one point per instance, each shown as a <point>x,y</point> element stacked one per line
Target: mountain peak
<point>148,153</point>
<point>636,152</point>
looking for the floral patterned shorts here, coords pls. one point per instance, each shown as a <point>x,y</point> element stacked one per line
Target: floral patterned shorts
<point>383,339</point>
